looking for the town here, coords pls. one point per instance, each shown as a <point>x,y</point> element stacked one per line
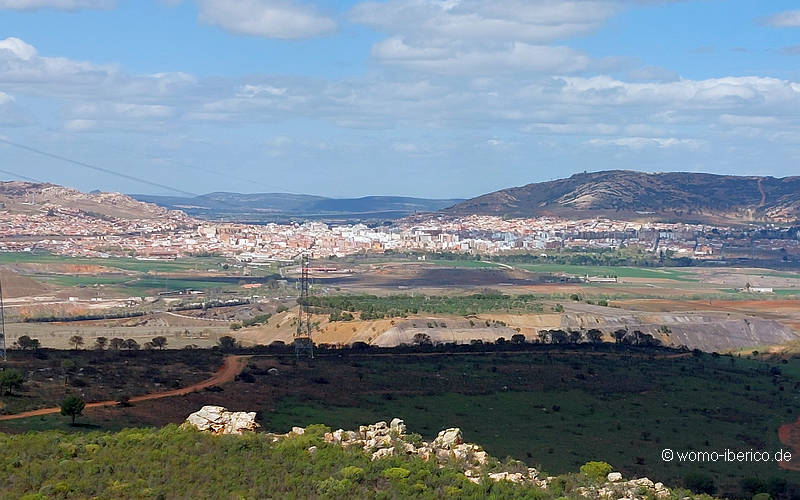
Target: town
<point>67,231</point>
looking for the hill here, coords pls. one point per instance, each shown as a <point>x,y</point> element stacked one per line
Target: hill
<point>17,197</point>
<point>622,194</point>
<point>307,462</point>
<point>265,207</point>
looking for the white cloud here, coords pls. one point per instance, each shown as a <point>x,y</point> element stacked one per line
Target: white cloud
<point>787,19</point>
<point>459,59</point>
<point>80,125</point>
<point>18,48</point>
<point>638,143</point>
<point>56,4</point>
<point>523,20</point>
<point>11,115</point>
<point>266,18</point>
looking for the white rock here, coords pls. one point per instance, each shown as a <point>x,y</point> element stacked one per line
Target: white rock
<point>218,420</point>
<point>383,453</point>
<point>312,450</point>
<point>614,477</point>
<point>398,426</point>
<point>298,431</point>
<point>273,371</point>
<point>448,438</point>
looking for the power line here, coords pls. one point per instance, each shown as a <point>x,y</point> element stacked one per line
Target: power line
<point>96,168</point>
<point>20,176</point>
<point>188,166</point>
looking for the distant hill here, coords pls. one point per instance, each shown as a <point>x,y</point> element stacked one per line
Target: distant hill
<point>679,196</point>
<point>279,206</point>
<point>33,197</point>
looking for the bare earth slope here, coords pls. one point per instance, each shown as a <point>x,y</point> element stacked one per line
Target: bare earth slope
<point>687,196</point>
<point>31,197</point>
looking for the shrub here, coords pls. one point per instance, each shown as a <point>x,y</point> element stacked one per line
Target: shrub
<point>352,473</point>
<point>396,473</point>
<point>700,483</point>
<point>596,470</point>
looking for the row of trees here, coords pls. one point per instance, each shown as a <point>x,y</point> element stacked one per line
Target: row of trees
<point>592,336</point>
<point>26,343</point>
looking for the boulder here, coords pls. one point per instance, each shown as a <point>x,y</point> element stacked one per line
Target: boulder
<point>398,426</point>
<point>273,371</point>
<point>218,420</point>
<point>614,477</point>
<point>383,453</point>
<point>448,438</point>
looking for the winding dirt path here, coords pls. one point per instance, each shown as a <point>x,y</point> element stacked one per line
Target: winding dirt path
<point>231,367</point>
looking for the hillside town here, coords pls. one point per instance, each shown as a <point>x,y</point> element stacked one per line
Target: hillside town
<point>68,231</point>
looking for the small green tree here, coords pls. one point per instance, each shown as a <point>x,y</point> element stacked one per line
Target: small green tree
<point>72,406</point>
<point>10,380</point>
<point>596,470</point>
<point>100,343</point>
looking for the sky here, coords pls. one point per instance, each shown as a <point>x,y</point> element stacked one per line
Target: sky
<point>431,98</point>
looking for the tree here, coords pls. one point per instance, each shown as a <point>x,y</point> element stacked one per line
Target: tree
<point>422,339</point>
<point>594,336</point>
<point>10,380</point>
<point>100,343</point>
<point>131,345</point>
<point>228,343</point>
<point>25,343</point>
<point>72,406</point>
<point>76,340</point>
<point>619,335</point>
<point>558,337</point>
<point>518,338</point>
<point>575,336</point>
<point>159,342</point>
<point>116,344</point>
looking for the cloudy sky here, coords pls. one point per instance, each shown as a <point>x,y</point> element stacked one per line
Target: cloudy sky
<point>436,98</point>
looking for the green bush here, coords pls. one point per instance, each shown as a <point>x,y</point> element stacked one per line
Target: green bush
<point>396,473</point>
<point>352,472</point>
<point>596,470</point>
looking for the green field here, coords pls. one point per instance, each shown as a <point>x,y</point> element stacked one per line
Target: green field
<point>180,265</point>
<point>622,272</point>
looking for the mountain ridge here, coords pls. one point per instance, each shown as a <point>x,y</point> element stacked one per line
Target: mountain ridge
<point>286,205</point>
<point>627,194</point>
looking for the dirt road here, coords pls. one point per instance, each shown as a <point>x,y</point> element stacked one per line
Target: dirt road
<point>232,367</point>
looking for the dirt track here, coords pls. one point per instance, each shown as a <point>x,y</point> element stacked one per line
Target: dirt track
<point>789,434</point>
<point>232,367</point>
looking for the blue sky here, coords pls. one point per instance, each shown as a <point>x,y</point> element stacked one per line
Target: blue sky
<point>436,98</point>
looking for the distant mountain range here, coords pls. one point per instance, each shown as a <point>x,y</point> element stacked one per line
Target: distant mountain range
<point>629,195</point>
<point>266,207</point>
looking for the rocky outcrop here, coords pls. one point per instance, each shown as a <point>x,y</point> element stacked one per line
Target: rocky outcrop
<point>218,420</point>
<point>382,440</point>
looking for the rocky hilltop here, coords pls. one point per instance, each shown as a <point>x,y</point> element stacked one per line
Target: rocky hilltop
<point>381,441</point>
<point>669,196</point>
<point>31,197</point>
